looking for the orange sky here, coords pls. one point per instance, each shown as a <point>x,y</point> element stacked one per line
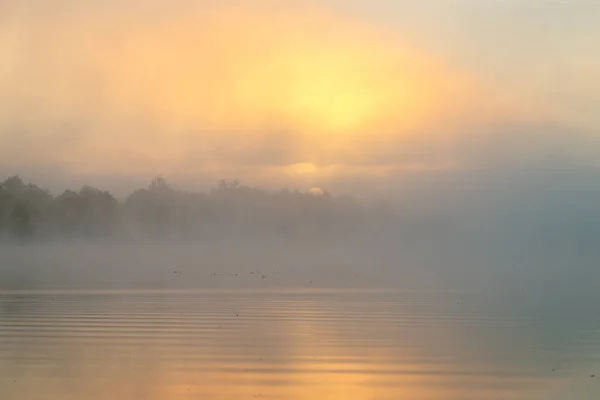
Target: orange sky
<point>249,90</point>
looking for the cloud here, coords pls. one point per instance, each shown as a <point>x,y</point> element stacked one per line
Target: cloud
<point>264,92</point>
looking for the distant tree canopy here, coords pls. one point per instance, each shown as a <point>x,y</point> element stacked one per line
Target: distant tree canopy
<point>231,209</point>
<point>89,212</point>
<point>23,207</point>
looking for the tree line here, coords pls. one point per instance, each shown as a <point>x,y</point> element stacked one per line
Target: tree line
<point>228,210</point>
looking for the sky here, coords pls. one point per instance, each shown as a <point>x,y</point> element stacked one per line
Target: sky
<point>369,97</point>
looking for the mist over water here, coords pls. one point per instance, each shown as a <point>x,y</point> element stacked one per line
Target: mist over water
<point>159,321</point>
<point>429,306</point>
<point>410,209</point>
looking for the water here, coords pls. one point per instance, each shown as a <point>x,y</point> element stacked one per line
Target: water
<point>274,342</point>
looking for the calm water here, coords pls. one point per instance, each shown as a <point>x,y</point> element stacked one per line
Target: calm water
<point>297,343</point>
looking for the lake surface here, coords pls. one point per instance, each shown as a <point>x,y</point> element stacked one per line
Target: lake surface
<point>75,342</point>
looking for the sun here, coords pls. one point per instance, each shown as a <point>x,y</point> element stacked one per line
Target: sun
<point>330,97</point>
<point>349,83</point>
<point>341,86</point>
<point>317,73</point>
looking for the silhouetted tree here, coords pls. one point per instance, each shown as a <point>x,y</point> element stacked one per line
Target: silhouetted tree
<point>24,208</point>
<point>89,212</point>
<point>230,209</point>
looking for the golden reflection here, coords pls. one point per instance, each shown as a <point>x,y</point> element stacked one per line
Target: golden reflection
<point>306,347</point>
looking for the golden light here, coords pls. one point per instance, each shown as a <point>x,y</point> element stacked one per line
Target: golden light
<point>302,169</point>
<point>195,83</point>
<point>241,68</point>
<point>316,192</point>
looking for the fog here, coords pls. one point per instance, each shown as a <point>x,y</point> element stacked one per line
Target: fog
<point>529,226</point>
<point>429,171</point>
<point>523,246</point>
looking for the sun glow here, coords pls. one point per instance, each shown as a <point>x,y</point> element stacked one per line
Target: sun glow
<point>245,68</point>
<point>199,84</point>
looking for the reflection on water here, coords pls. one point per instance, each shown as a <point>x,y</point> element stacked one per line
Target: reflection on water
<point>295,344</point>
